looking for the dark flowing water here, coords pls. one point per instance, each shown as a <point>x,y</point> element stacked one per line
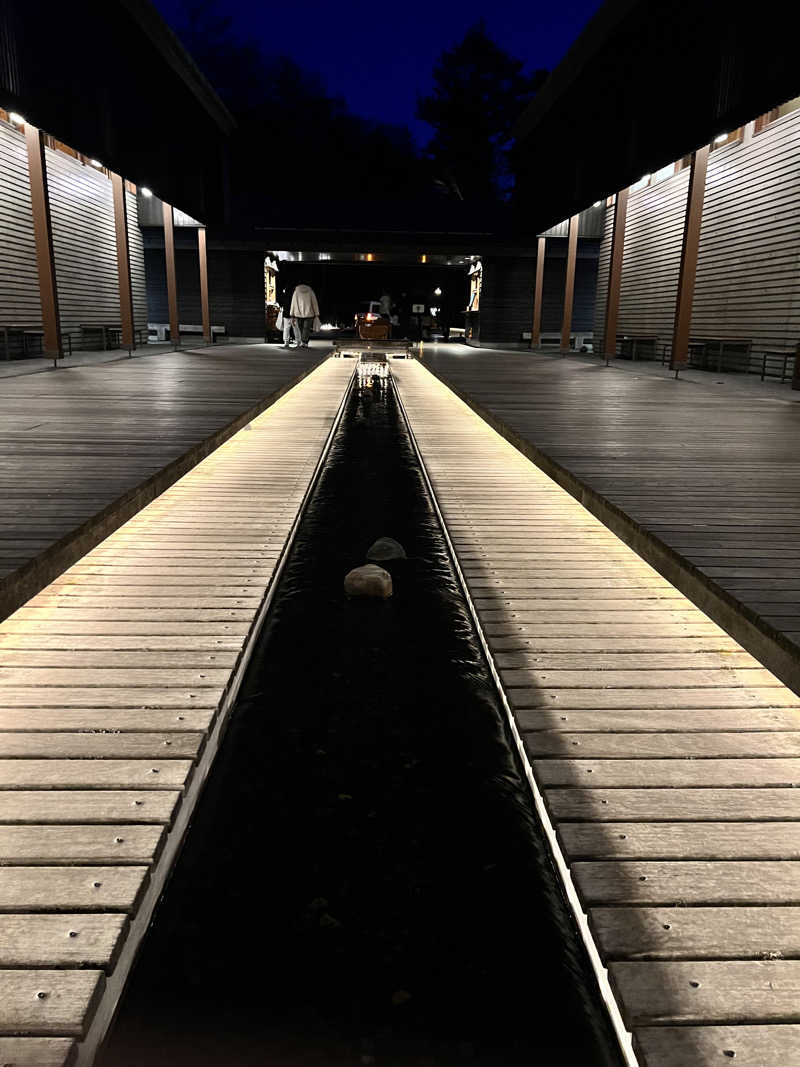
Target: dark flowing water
<point>364,881</point>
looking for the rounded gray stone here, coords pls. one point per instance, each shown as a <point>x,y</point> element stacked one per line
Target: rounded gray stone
<point>368,580</point>
<point>386,548</point>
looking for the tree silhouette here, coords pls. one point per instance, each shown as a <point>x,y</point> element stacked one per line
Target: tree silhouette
<point>295,142</point>
<point>479,92</point>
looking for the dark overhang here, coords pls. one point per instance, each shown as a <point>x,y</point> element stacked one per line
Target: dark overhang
<point>644,85</point>
<point>111,80</point>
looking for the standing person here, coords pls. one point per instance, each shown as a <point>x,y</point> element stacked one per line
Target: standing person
<point>286,312</point>
<point>385,307</point>
<point>304,309</point>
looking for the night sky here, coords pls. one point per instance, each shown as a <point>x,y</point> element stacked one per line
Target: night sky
<point>379,57</point>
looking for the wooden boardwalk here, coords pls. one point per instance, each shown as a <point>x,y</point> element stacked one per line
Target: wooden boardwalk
<point>703,479</point>
<point>84,448</point>
<point>664,757</point>
<point>115,681</point>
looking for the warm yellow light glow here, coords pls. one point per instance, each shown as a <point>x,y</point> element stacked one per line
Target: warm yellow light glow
<point>423,258</point>
<point>370,257</point>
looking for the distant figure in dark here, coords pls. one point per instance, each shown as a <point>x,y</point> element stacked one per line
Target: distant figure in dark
<point>385,305</point>
<point>303,309</point>
<point>403,314</point>
<point>286,308</point>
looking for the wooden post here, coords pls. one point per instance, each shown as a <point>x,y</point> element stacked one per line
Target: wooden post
<point>128,336</point>
<point>43,238</point>
<point>536,327</point>
<point>615,274</point>
<point>204,307</point>
<point>689,249</point>
<point>569,282</point>
<point>172,282</point>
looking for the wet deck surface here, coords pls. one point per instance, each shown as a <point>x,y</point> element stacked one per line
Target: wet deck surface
<point>709,467</point>
<point>667,756</point>
<point>115,682</point>
<point>83,448</point>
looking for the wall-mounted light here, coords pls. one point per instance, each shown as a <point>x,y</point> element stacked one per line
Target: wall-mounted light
<point>423,258</point>
<point>145,191</point>
<point>95,163</point>
<point>16,118</point>
<point>598,203</point>
<point>722,137</point>
<point>437,291</point>
<point>370,257</point>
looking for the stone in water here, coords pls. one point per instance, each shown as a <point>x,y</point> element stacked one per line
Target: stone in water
<point>368,580</point>
<point>386,548</point>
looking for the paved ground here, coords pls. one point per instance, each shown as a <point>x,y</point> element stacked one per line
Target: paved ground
<point>83,449</point>
<point>706,467</point>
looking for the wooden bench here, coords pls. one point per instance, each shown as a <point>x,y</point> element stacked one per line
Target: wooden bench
<point>777,364</point>
<point>160,331</point>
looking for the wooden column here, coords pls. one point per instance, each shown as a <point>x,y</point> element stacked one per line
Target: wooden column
<point>689,249</point>
<point>536,327</point>
<point>172,282</point>
<point>204,306</point>
<point>43,237</point>
<point>569,282</point>
<point>615,274</point>
<point>128,337</point>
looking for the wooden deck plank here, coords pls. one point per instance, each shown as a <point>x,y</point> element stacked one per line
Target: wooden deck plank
<point>688,882</point>
<point>675,841</point>
<point>675,805</point>
<point>64,941</point>
<point>104,844</point>
<point>752,1046</point>
<point>697,933</point>
<point>671,773</point>
<point>46,806</point>
<point>36,1051</point>
<point>71,888</point>
<point>648,746</point>
<point>712,993</point>
<point>94,774</point>
<point>108,744</point>
<point>67,1002</point>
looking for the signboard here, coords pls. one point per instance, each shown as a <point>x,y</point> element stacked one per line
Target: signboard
<point>417,309</point>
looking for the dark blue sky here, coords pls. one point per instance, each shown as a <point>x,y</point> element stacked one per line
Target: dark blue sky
<point>379,56</point>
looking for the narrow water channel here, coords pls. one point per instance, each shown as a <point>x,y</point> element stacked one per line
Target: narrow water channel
<point>364,881</point>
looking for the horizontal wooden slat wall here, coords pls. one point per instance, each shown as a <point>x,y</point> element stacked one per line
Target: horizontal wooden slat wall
<point>19,283</point>
<point>601,292</point>
<point>136,252</point>
<point>82,210</point>
<point>748,271</point>
<point>651,259</point>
